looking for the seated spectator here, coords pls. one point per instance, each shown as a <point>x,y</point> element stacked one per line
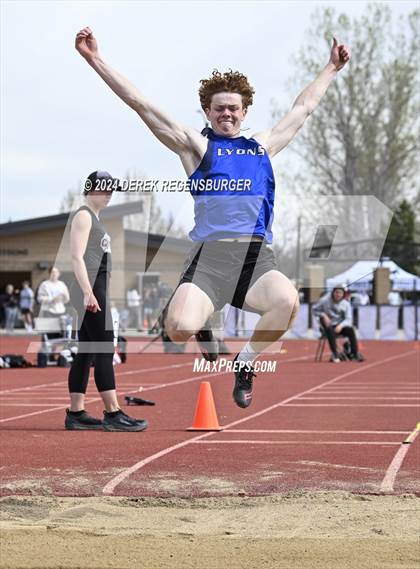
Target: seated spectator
<point>26,305</point>
<point>336,318</point>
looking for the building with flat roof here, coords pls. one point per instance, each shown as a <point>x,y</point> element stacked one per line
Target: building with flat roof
<point>29,247</point>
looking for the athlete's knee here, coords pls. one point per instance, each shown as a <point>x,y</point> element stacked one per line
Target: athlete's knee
<point>287,307</point>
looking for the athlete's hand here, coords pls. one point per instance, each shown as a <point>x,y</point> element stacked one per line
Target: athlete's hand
<point>86,44</point>
<point>340,55</point>
<point>90,303</point>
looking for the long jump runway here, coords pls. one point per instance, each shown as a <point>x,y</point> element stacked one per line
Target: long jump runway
<point>311,426</point>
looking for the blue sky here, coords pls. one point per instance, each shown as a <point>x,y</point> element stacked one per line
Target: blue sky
<point>60,121</point>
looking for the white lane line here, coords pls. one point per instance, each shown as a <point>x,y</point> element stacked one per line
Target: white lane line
<point>30,387</point>
<point>30,405</point>
<point>394,383</point>
<point>41,412</point>
<point>368,391</point>
<point>251,442</point>
<point>388,482</point>
<point>93,400</point>
<point>351,405</point>
<point>119,374</point>
<point>314,431</point>
<point>364,397</point>
<point>31,397</point>
<point>160,386</point>
<point>371,387</point>
<point>109,488</point>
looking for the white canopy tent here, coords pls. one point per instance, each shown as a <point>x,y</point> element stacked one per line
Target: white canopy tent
<point>360,276</point>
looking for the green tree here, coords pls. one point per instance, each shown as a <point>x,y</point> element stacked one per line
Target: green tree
<point>400,244</point>
<point>363,137</point>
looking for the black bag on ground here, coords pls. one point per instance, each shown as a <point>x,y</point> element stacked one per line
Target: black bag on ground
<point>15,360</point>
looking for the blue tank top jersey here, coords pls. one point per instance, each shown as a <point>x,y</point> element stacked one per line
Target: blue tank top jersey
<point>233,190</point>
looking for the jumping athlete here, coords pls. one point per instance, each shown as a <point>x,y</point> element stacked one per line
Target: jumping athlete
<point>232,183</point>
<point>90,247</point>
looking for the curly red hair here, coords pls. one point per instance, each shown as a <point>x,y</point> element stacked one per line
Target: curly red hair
<point>228,82</point>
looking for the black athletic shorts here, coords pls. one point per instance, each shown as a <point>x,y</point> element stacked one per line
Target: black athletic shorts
<point>225,270</point>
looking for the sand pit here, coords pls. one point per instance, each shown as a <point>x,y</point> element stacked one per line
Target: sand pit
<point>299,530</point>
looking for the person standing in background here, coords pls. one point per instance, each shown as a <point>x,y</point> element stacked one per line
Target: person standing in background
<point>53,295</point>
<point>10,303</point>
<point>26,305</point>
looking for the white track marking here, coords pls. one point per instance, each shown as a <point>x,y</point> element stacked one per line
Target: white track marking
<point>40,412</point>
<point>30,405</point>
<point>160,386</point>
<point>370,391</point>
<point>390,383</point>
<point>310,431</point>
<point>30,387</point>
<point>388,482</point>
<point>114,482</point>
<point>372,388</point>
<point>350,405</point>
<point>32,397</point>
<point>119,374</point>
<point>250,442</point>
<point>351,397</point>
<point>96,399</point>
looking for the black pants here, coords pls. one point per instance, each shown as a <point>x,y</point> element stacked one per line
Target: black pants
<point>96,338</point>
<point>347,331</point>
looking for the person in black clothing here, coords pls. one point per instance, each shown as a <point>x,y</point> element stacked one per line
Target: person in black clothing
<point>10,304</point>
<point>90,247</point>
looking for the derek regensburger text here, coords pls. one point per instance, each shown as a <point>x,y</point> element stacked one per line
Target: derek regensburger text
<point>205,185</point>
<point>224,365</point>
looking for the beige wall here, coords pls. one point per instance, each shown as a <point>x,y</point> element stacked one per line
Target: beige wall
<point>52,247</point>
<point>41,246</point>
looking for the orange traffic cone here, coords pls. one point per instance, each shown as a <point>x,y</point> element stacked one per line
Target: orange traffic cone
<point>205,418</point>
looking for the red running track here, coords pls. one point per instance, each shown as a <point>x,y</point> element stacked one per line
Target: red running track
<point>312,426</point>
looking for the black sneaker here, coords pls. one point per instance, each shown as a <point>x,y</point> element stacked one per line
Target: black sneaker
<point>242,392</point>
<point>122,422</point>
<point>134,420</point>
<point>209,346</point>
<point>358,358</point>
<point>335,359</point>
<point>82,422</point>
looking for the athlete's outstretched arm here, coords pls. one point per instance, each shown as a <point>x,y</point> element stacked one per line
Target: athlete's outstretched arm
<point>178,138</point>
<point>282,133</point>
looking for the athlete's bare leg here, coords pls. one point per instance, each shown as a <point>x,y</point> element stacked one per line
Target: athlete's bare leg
<point>275,296</point>
<point>188,311</point>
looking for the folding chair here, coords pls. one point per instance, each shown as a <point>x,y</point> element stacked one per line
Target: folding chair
<point>322,340</point>
<point>321,344</point>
